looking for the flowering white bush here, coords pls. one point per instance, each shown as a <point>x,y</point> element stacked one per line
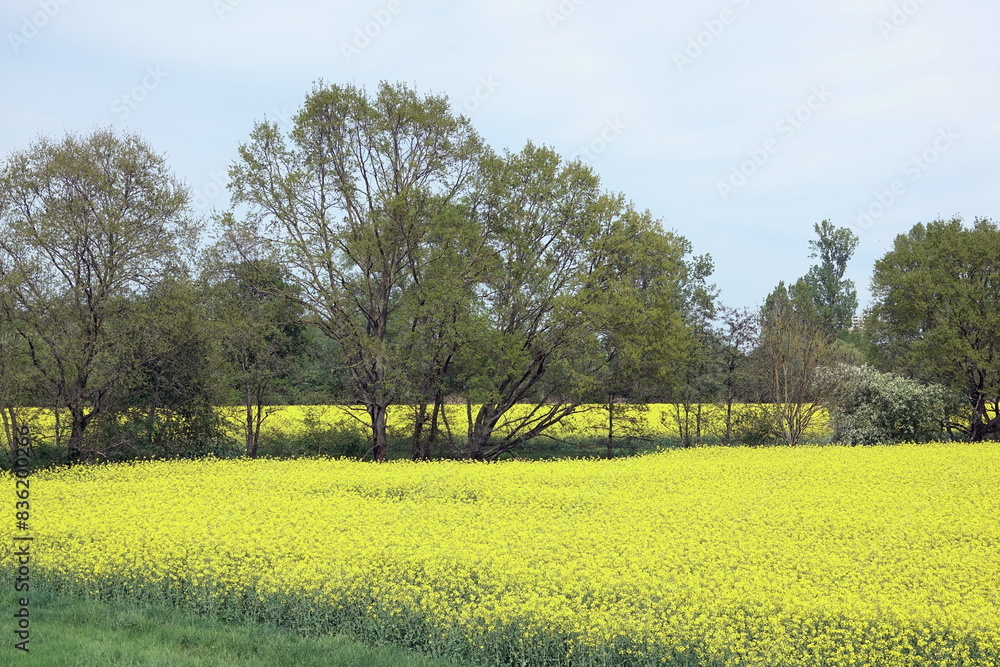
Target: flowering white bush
<point>870,407</point>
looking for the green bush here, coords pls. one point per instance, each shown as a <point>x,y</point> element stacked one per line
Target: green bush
<point>756,425</point>
<point>163,433</point>
<point>333,441</point>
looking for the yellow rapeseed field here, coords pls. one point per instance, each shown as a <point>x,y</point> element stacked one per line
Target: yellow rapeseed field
<point>828,556</point>
<point>658,418</point>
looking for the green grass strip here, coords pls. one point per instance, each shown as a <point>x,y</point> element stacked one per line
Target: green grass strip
<point>80,633</point>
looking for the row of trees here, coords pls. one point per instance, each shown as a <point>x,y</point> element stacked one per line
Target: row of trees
<point>380,236</point>
<point>933,330</point>
<point>381,254</point>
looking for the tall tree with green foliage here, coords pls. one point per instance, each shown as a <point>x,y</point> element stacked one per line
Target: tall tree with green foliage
<point>736,334</point>
<point>15,373</point>
<point>164,403</point>
<point>577,282</point>
<point>347,202</point>
<point>691,381</point>
<point>791,350</point>
<point>435,321</point>
<point>86,224</point>
<point>936,313</point>
<point>835,298</point>
<point>648,288</point>
<point>258,334</point>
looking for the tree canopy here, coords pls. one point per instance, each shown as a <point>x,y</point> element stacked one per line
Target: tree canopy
<point>936,312</point>
<point>834,298</point>
<point>379,253</point>
<point>86,224</point>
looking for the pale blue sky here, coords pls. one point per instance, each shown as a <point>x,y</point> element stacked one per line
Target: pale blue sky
<point>739,123</point>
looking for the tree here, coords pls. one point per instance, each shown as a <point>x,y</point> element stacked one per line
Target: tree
<point>570,269</point>
<point>737,333</point>
<point>793,343</point>
<point>835,299</point>
<point>86,223</point>
<point>691,380</point>
<point>647,295</point>
<point>164,402</point>
<point>258,334</point>
<point>437,313</point>
<point>346,203</point>
<point>936,313</point>
<point>692,384</point>
<point>14,376</point>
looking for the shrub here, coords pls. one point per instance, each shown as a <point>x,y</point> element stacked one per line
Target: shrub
<point>869,407</point>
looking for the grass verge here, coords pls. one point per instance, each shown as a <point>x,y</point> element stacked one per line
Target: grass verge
<point>79,633</point>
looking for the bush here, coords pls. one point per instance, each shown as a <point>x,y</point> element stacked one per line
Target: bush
<point>334,441</point>
<point>756,425</point>
<point>869,407</point>
<point>163,433</point>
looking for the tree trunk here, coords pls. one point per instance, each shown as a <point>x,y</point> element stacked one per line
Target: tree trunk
<point>423,438</point>
<point>380,441</point>
<point>78,425</point>
<point>57,420</point>
<point>251,430</point>
<point>611,427</point>
<point>435,414</point>
<point>729,420</point>
<point>417,444</point>
<point>480,432</point>
<point>10,428</point>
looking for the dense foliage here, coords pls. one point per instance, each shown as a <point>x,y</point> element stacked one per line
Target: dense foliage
<point>380,253</point>
<point>937,313</point>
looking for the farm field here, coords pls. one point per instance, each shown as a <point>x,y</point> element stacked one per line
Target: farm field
<point>658,418</point>
<point>711,556</point>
